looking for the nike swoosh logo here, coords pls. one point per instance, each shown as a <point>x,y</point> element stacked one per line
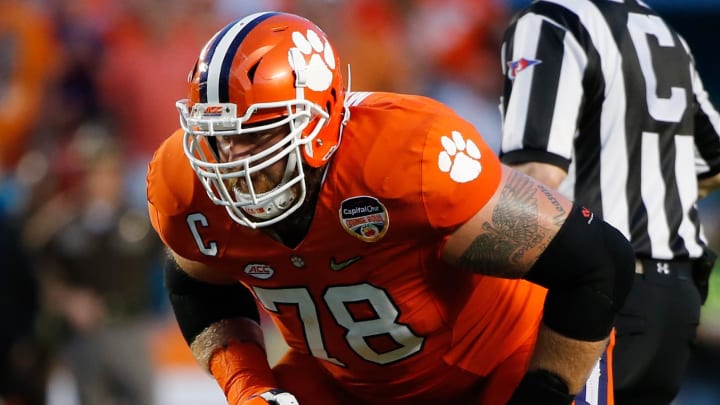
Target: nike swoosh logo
<point>335,266</point>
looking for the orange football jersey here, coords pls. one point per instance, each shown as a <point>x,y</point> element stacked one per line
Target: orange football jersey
<point>366,292</point>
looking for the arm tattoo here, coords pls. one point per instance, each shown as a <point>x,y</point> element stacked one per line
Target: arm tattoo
<point>513,231</point>
<point>561,213</point>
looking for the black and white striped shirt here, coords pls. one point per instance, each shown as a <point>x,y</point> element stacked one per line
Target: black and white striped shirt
<point>607,91</point>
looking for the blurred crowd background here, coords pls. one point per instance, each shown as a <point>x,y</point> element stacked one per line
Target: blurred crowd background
<point>88,91</point>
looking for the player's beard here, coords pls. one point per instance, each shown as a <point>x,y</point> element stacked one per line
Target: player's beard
<point>261,182</point>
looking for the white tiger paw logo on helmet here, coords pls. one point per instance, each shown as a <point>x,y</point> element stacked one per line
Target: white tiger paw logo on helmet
<point>318,74</point>
<point>461,158</point>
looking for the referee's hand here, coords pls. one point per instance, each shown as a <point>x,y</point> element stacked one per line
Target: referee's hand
<point>701,271</point>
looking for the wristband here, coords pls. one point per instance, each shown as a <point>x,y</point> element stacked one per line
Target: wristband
<point>541,387</point>
<point>241,369</point>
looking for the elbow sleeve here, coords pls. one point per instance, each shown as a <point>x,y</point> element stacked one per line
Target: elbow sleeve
<point>588,269</point>
<point>197,304</point>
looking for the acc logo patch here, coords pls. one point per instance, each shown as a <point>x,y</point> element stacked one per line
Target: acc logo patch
<point>364,217</point>
<point>259,270</point>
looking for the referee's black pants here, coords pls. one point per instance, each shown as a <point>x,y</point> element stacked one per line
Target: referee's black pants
<point>655,333</point>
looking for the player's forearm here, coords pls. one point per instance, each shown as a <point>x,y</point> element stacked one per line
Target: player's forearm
<point>220,323</point>
<point>221,334</point>
<point>570,359</point>
<point>588,269</point>
<point>240,368</point>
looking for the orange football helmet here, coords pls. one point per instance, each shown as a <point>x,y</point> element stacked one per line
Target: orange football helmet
<point>262,72</point>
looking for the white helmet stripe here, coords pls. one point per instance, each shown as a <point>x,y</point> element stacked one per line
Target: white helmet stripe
<point>221,55</point>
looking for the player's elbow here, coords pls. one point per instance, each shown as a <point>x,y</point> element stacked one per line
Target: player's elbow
<point>588,269</point>
<point>620,271</point>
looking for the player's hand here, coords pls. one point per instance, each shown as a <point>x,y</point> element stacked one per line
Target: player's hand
<point>272,397</point>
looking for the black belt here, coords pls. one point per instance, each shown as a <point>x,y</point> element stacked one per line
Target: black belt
<point>679,269</point>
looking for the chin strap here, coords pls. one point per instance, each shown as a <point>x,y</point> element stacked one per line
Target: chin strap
<point>276,206</point>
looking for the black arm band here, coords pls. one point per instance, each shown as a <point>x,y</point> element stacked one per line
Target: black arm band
<point>588,269</point>
<point>541,387</point>
<point>197,304</point>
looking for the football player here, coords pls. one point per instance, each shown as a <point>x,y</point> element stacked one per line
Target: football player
<point>401,262</point>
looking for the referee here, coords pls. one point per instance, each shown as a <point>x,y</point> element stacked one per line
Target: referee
<point>602,101</point>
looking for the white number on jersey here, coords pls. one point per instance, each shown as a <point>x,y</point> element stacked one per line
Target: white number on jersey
<point>336,298</point>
